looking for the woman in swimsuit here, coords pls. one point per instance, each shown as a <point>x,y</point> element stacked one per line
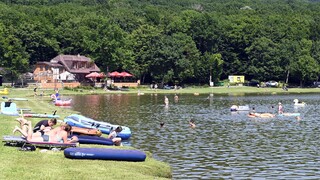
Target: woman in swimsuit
<point>262,115</point>
<point>56,135</point>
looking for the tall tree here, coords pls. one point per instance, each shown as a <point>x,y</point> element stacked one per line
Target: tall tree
<point>143,41</point>
<point>13,56</point>
<point>175,58</point>
<point>263,60</point>
<point>306,68</point>
<point>216,65</point>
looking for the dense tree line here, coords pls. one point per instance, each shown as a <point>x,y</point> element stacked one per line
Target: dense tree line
<point>168,40</point>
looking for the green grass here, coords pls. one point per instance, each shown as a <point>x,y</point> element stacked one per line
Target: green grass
<point>53,165</point>
<point>232,90</point>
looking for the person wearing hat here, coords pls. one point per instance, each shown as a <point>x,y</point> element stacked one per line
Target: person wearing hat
<point>280,108</point>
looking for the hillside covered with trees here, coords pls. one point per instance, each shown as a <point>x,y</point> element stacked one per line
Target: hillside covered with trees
<point>168,40</point>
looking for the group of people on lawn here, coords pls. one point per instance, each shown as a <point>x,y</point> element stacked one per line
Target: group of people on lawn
<point>43,131</point>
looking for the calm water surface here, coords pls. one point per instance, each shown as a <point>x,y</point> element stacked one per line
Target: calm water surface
<point>224,144</point>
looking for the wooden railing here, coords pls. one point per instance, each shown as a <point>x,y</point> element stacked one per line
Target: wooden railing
<point>125,84</point>
<point>59,85</point>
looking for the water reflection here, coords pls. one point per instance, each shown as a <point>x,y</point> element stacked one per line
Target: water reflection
<point>224,144</point>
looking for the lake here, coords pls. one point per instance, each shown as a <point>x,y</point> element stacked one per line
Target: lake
<point>223,144</point>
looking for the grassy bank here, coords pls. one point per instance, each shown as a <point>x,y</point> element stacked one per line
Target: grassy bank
<point>53,165</point>
<point>232,90</point>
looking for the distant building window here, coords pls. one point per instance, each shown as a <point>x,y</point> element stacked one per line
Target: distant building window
<point>74,65</point>
<point>91,65</point>
<point>238,78</point>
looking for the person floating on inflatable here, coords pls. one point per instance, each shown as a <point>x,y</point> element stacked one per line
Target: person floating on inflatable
<point>55,96</point>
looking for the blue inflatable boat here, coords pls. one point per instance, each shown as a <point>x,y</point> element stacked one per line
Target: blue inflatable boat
<point>94,140</point>
<point>104,127</point>
<point>105,154</point>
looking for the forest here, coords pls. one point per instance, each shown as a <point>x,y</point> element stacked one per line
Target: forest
<point>167,41</point>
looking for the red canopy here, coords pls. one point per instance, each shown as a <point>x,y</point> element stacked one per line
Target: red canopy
<point>95,75</point>
<point>125,74</point>
<point>114,74</point>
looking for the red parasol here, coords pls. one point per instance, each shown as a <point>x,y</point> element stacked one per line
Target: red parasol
<point>125,74</point>
<point>114,74</point>
<point>95,75</point>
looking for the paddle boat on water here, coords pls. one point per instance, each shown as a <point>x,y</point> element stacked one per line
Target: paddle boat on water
<point>297,103</point>
<point>85,122</point>
<point>239,108</point>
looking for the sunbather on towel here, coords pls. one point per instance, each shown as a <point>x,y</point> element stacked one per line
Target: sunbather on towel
<point>56,135</point>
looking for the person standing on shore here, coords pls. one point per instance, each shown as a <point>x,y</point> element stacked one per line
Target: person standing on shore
<point>35,91</point>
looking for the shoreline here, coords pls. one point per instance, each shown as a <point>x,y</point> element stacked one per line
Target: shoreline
<point>29,163</point>
<point>195,90</point>
<point>200,90</point>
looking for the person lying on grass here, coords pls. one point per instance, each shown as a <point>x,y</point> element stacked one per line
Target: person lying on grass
<point>56,135</point>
